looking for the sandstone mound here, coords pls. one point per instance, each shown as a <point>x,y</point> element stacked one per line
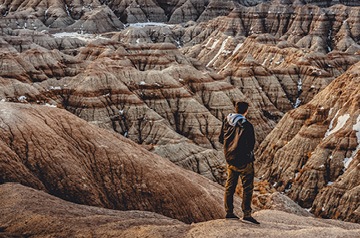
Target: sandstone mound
<point>313,153</point>
<point>28,212</point>
<point>52,150</point>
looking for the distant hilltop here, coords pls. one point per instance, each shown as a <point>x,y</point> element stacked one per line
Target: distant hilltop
<point>103,16</point>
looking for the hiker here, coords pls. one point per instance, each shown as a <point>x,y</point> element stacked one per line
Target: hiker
<point>237,136</point>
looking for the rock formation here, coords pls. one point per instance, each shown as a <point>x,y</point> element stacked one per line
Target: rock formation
<point>46,215</point>
<point>167,78</point>
<point>111,15</point>
<point>50,149</point>
<point>158,98</point>
<point>302,54</point>
<point>313,153</point>
<point>78,16</point>
<point>134,106</point>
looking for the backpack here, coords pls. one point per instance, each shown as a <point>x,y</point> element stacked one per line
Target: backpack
<point>235,150</point>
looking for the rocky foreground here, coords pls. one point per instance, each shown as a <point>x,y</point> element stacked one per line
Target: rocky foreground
<point>28,212</point>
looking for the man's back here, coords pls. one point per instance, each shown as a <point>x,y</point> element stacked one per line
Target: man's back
<point>239,140</point>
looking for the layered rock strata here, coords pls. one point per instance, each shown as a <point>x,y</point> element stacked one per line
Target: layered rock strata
<point>131,96</point>
<point>313,153</point>
<point>301,55</point>
<point>304,48</point>
<point>149,93</point>
<point>55,15</point>
<point>111,15</point>
<point>168,87</point>
<point>325,30</point>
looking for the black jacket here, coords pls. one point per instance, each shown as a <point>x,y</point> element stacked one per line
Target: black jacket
<point>239,142</point>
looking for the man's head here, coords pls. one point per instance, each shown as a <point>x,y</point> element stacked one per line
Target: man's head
<point>241,107</point>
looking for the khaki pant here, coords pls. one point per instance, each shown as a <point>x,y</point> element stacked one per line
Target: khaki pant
<point>246,173</point>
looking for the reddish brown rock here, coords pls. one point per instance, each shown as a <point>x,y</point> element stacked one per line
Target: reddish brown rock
<point>110,15</point>
<point>312,154</point>
<point>145,99</point>
<point>52,150</point>
<point>167,87</point>
<point>301,72</point>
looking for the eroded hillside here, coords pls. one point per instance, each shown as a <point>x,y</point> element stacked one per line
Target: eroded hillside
<point>313,153</point>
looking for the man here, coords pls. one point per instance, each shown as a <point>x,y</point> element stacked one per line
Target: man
<point>237,135</point>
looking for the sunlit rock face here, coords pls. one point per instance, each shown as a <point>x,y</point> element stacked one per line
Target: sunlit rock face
<point>313,153</point>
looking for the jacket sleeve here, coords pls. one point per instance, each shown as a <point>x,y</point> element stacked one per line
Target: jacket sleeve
<point>251,136</point>
<point>221,136</point>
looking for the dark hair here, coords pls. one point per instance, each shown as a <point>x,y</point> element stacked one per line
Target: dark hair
<point>241,107</point>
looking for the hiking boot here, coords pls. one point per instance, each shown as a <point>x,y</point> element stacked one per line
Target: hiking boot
<point>251,219</point>
<point>232,216</point>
